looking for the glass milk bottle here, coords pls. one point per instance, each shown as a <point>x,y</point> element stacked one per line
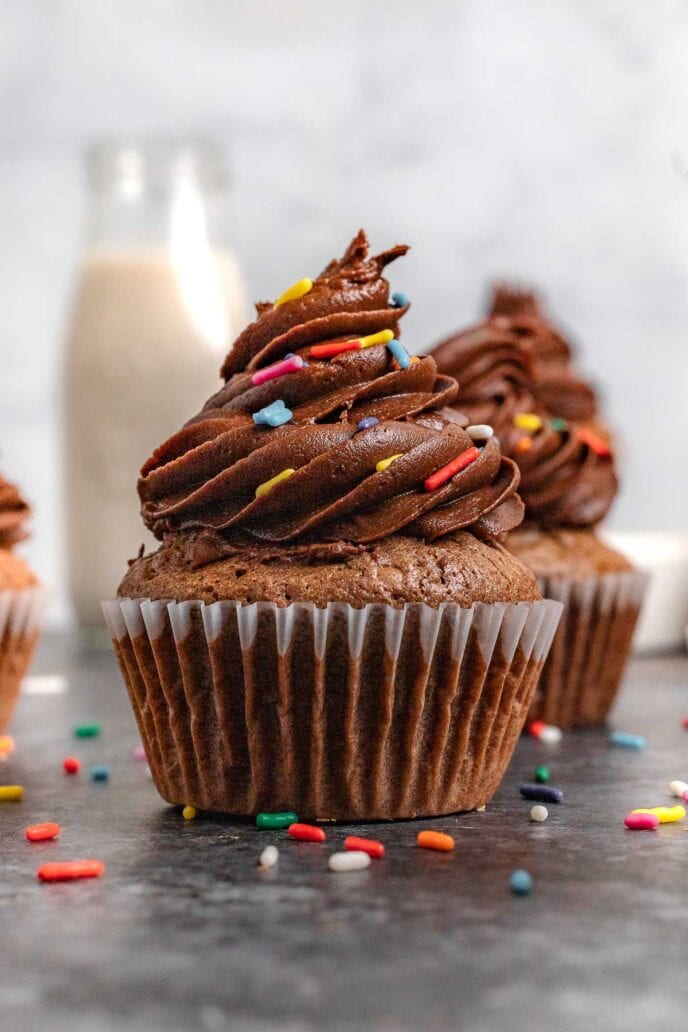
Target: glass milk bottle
<point>158,301</point>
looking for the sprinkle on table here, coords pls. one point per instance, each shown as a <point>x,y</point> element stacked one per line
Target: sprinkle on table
<point>479,432</point>
<point>678,789</point>
<point>268,858</point>
<point>289,364</point>
<point>535,728</point>
<point>189,812</point>
<point>437,840</point>
<point>305,833</point>
<point>521,883</point>
<point>551,734</point>
<point>527,421</point>
<point>625,740</point>
<point>99,772</point>
<point>399,299</point>
<point>539,813</point>
<point>367,422</point>
<point>275,414</point>
<point>68,870</point>
<point>265,488</point>
<point>11,793</point>
<point>452,468</point>
<point>383,464</point>
<point>370,846</point>
<point>641,821</point>
<point>42,832</point>
<point>542,775</point>
<point>684,723</point>
<point>399,353</point>
<point>355,860</point>
<point>6,746</point>
<point>87,730</point>
<point>666,814</point>
<point>295,291</point>
<point>71,765</point>
<point>542,793</point>
<point>594,443</point>
<point>270,821</point>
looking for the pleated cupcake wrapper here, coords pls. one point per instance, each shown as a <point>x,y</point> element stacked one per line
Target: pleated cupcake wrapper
<point>21,620</point>
<point>336,713</point>
<point>583,672</point>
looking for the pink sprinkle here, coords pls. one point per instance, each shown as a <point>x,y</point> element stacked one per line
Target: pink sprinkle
<point>288,365</point>
<point>641,821</point>
<point>138,752</point>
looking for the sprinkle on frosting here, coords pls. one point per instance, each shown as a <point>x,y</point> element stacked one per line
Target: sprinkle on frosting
<point>524,444</point>
<point>276,414</point>
<point>295,291</point>
<point>399,299</point>
<point>265,488</point>
<point>528,421</point>
<point>384,463</point>
<point>479,432</point>
<point>558,424</point>
<point>594,443</point>
<point>289,364</point>
<point>365,424</point>
<point>400,353</point>
<point>383,337</point>
<point>451,469</point>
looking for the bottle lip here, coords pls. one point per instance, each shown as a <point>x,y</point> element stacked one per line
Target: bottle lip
<point>157,165</point>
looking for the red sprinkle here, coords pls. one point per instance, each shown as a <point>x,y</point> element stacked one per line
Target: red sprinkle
<point>641,821</point>
<point>536,727</point>
<point>337,347</point>
<point>42,832</point>
<point>306,833</point>
<point>71,765</point>
<point>365,845</point>
<point>594,443</point>
<point>452,468</point>
<point>66,870</point>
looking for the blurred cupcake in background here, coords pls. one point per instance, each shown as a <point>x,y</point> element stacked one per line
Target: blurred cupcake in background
<point>568,484</point>
<point>22,601</point>
<point>329,624</point>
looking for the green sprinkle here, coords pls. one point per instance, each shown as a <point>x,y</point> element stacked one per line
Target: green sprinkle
<point>541,775</point>
<point>558,424</point>
<point>87,730</point>
<point>276,820</point>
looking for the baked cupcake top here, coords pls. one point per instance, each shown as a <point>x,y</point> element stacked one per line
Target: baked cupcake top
<point>556,385</point>
<point>14,515</point>
<point>328,432</point>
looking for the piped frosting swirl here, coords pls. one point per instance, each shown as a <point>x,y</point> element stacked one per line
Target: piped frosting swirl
<point>322,471</point>
<point>14,515</point>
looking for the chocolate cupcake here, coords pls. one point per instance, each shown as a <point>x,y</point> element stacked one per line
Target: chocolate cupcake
<point>329,624</point>
<point>21,601</point>
<point>568,483</point>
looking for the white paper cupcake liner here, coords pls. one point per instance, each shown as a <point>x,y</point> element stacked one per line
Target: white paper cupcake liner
<point>22,614</point>
<point>336,713</point>
<point>586,662</point>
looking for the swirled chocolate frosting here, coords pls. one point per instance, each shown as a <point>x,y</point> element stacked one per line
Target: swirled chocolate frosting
<point>349,413</point>
<point>556,385</point>
<point>14,515</point>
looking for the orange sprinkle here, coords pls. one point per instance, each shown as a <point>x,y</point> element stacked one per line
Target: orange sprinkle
<point>435,840</point>
<point>594,443</point>
<point>524,444</point>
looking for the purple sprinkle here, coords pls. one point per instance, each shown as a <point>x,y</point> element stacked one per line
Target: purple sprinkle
<point>365,424</point>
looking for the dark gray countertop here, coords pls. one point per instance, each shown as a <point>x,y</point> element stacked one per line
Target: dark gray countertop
<point>184,933</point>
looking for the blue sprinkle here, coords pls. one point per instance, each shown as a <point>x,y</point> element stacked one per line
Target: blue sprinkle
<point>399,300</point>
<point>626,740</point>
<point>100,773</point>
<point>367,422</point>
<point>520,882</point>
<point>543,793</point>
<point>400,353</point>
<point>276,414</point>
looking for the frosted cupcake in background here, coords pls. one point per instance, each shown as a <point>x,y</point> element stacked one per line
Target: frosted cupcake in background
<point>21,601</point>
<point>568,484</point>
<point>346,637</point>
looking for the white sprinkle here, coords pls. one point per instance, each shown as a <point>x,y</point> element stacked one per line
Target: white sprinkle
<point>479,432</point>
<point>269,857</point>
<point>551,734</point>
<point>539,814</point>
<point>678,788</point>
<point>355,860</point>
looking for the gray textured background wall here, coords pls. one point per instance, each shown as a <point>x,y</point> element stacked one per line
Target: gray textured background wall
<point>538,140</point>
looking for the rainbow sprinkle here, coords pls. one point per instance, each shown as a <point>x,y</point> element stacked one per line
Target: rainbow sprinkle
<point>527,421</point>
<point>441,476</point>
<point>289,364</point>
<point>399,353</point>
<point>276,414</point>
<point>295,291</point>
<point>384,463</point>
<point>367,422</point>
<point>265,488</point>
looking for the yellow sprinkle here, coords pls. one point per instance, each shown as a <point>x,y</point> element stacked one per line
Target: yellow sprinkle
<point>383,337</point>
<point>666,814</point>
<point>297,290</point>
<point>414,358</point>
<point>528,421</point>
<point>11,793</point>
<point>263,489</point>
<point>384,463</point>
<point>6,744</point>
<point>188,813</point>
